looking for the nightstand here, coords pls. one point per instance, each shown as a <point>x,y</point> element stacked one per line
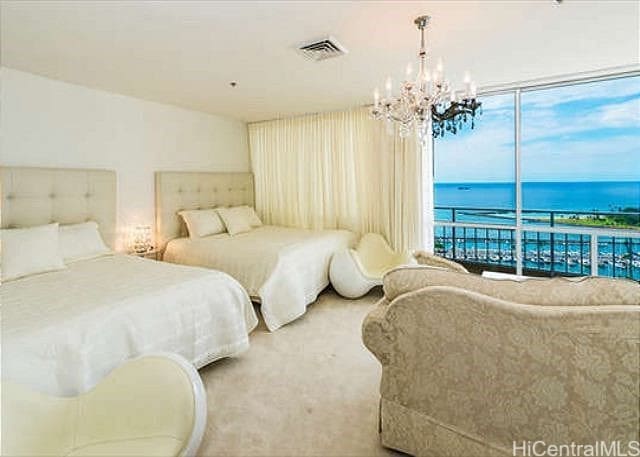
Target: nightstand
<point>153,254</point>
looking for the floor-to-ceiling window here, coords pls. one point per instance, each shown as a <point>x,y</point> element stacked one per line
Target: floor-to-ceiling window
<point>474,175</point>
<point>548,181</point>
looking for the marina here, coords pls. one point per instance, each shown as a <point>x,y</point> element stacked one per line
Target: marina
<point>618,251</point>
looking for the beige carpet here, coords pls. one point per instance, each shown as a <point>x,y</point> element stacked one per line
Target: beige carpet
<point>310,388</point>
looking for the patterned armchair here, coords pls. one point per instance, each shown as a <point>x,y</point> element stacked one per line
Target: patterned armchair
<point>471,365</point>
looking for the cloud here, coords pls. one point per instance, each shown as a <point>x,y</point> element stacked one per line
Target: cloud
<point>614,158</point>
<point>484,154</point>
<point>626,114</point>
<point>612,119</point>
<point>552,97</point>
<point>581,108</point>
<point>596,136</point>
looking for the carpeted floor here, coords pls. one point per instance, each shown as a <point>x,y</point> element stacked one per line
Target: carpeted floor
<point>309,389</point>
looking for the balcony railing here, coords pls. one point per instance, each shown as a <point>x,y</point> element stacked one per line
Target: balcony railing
<point>552,242</point>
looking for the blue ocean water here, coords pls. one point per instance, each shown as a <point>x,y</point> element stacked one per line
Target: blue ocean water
<point>576,196</point>
<point>571,252</point>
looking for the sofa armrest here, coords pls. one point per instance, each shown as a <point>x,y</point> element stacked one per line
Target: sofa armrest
<point>374,334</point>
<point>503,371</point>
<point>424,258</point>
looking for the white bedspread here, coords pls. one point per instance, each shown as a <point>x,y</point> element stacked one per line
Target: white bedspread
<point>63,331</point>
<point>285,268</point>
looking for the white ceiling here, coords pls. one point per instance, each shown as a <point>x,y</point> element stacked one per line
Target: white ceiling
<point>186,52</point>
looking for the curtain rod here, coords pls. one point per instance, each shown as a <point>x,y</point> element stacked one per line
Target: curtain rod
<point>525,85</point>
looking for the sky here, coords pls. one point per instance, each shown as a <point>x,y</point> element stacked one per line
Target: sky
<point>583,132</point>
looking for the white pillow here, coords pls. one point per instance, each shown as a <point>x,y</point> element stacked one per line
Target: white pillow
<point>252,217</point>
<point>81,241</point>
<point>235,219</point>
<point>202,222</point>
<point>28,251</point>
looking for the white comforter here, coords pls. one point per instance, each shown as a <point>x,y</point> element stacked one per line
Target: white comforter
<point>285,268</point>
<point>63,331</point>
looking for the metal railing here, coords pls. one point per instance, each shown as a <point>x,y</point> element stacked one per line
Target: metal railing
<point>558,243</point>
<point>594,218</point>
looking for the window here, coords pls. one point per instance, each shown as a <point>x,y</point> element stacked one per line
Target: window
<point>579,156</point>
<point>581,146</point>
<point>475,169</point>
<point>581,167</point>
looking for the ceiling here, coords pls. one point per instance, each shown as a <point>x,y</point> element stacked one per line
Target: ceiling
<point>186,52</point>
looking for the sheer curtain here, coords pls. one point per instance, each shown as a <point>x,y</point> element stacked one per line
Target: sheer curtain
<point>338,170</point>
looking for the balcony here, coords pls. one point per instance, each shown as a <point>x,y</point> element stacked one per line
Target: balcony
<point>552,242</point>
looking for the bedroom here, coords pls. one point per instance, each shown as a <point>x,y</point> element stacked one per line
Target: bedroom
<point>181,178</point>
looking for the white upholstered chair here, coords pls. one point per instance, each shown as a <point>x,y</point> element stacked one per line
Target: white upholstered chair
<point>154,405</point>
<point>354,272</point>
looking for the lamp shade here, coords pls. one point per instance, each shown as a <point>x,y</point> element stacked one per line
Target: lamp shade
<point>141,239</point>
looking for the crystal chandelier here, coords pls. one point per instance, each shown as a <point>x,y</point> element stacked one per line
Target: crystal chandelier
<point>427,100</point>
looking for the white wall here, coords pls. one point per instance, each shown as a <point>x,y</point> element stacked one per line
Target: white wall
<point>50,123</point>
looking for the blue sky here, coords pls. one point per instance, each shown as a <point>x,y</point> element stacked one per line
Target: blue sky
<point>584,132</point>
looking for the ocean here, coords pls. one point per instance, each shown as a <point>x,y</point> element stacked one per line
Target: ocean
<point>570,196</point>
<point>617,257</point>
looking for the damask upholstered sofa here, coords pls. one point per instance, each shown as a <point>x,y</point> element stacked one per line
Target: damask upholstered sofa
<point>424,258</point>
<point>473,366</point>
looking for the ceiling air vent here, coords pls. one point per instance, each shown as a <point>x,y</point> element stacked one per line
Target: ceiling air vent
<point>322,49</point>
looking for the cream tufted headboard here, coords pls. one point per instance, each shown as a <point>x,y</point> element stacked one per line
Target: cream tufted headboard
<point>179,190</point>
<point>37,196</point>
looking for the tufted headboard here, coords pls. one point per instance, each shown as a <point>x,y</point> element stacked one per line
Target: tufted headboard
<point>179,190</point>
<point>37,196</point>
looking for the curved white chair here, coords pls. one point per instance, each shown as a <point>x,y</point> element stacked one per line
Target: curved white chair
<point>154,405</point>
<point>354,272</point>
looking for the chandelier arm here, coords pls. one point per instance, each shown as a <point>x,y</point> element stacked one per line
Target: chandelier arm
<point>435,115</point>
<point>400,120</point>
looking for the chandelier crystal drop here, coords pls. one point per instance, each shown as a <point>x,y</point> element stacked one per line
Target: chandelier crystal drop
<point>427,100</point>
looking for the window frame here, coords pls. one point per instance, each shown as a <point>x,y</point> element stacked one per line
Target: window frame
<point>517,90</point>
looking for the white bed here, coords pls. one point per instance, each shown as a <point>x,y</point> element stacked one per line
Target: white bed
<point>283,268</point>
<point>64,330</point>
